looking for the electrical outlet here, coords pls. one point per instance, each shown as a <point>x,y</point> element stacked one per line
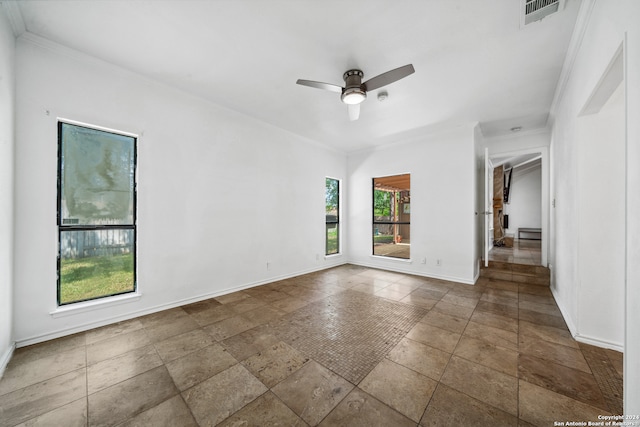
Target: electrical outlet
<point>423,261</point>
<point>268,265</point>
<point>438,263</point>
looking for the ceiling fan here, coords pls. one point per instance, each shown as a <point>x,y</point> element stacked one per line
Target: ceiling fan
<point>354,91</point>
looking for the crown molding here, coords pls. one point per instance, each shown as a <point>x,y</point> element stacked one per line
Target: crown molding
<point>584,16</point>
<point>12,10</point>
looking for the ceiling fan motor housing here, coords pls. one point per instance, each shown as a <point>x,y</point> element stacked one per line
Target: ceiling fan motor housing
<point>353,92</point>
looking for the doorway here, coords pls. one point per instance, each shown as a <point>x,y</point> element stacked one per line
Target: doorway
<point>519,207</point>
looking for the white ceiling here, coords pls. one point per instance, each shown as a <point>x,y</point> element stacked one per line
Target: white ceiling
<point>473,61</point>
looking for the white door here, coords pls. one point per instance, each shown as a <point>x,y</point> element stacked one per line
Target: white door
<point>488,206</point>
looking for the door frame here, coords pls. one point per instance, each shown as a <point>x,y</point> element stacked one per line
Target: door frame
<point>545,201</point>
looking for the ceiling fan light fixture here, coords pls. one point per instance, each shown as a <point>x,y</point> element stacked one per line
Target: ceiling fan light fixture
<point>353,95</point>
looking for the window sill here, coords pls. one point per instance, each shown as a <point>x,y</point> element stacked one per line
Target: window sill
<point>389,258</point>
<point>81,307</point>
<point>332,256</point>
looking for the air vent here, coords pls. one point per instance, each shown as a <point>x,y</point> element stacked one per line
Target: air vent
<point>535,10</point>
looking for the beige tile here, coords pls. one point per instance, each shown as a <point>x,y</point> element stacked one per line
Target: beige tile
<point>116,345</point>
<point>262,314</point>
<point>445,321</point>
<point>229,327</point>
<point>171,412</point>
<point>406,391</point>
<point>113,330</point>
<point>454,309</point>
<point>540,299</point>
<point>452,298</point>
<point>48,348</point>
<point>482,383</point>
<point>561,379</point>
<point>420,357</point>
<point>498,296</point>
<point>246,304</point>
<point>200,365</point>
<point>473,292</point>
<point>119,368</point>
<point>500,309</point>
<point>420,299</point>
<point>391,294</point>
<point>487,354</point>
<point>217,398</point>
<point>563,355</point>
<point>506,285</point>
<point>232,297</point>
<point>548,333</point>
<point>495,320</point>
<point>360,409</point>
<point>128,398</point>
<point>248,343</point>
<point>169,323</point>
<point>289,304</point>
<point>161,318</point>
<point>73,414</point>
<point>32,371</point>
<point>434,337</point>
<point>275,363</point>
<point>312,392</point>
<point>525,288</point>
<point>183,344</point>
<point>496,336</point>
<point>449,407</point>
<point>542,407</point>
<point>37,399</point>
<point>548,309</point>
<point>542,319</point>
<point>206,314</point>
<point>266,410</point>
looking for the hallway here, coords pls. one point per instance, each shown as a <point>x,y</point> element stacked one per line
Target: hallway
<point>526,252</point>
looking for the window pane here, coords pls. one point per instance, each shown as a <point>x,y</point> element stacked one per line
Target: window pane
<point>95,263</point>
<point>332,193</point>
<point>97,177</point>
<point>332,242</point>
<point>332,216</point>
<point>391,234</point>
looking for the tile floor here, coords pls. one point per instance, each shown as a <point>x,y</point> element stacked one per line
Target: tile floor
<point>523,252</point>
<point>347,346</point>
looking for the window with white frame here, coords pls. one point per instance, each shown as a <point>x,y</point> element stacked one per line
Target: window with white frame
<point>96,213</point>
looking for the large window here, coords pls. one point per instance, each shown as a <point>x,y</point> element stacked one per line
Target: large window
<point>332,216</point>
<point>392,216</point>
<point>96,213</point>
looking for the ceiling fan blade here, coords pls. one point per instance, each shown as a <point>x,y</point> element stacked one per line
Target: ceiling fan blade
<point>320,85</point>
<point>388,77</point>
<point>354,112</point>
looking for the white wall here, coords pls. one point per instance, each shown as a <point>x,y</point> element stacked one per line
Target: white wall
<point>601,218</point>
<point>220,195</point>
<point>442,168</point>
<point>7,98</point>
<point>525,196</point>
<point>606,26</point>
<point>480,195</point>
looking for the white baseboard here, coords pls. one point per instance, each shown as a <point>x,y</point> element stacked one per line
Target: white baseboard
<point>583,338</point>
<point>398,269</point>
<point>6,357</point>
<point>599,343</point>
<point>115,319</point>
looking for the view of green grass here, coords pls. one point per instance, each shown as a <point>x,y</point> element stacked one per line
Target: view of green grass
<point>332,240</point>
<point>93,277</point>
<point>383,238</point>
